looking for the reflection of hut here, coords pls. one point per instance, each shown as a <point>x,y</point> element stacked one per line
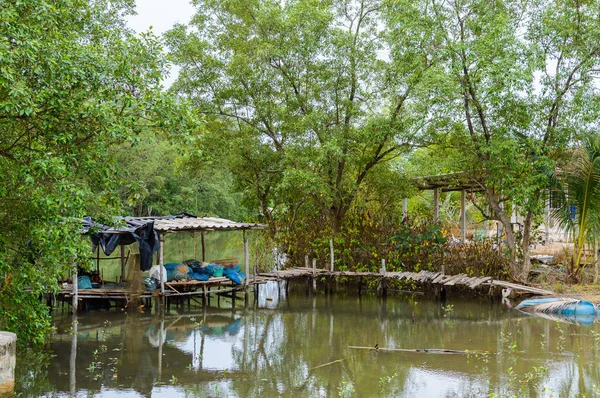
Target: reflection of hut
<point>149,234</point>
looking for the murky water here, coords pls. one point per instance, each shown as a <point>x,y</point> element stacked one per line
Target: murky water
<point>299,346</point>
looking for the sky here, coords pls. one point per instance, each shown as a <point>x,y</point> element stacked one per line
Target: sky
<point>161,15</point>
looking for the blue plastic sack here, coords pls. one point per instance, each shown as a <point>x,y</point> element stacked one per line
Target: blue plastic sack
<point>199,277</point>
<point>84,282</point>
<point>200,270</point>
<point>237,277</point>
<point>175,275</point>
<point>171,266</point>
<point>230,270</point>
<point>214,269</point>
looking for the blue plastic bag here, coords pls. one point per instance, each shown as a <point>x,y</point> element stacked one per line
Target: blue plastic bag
<point>199,277</point>
<point>84,282</point>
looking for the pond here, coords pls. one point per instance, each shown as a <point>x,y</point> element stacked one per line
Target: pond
<point>299,345</point>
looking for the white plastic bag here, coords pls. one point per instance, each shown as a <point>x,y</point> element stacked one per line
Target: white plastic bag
<point>155,273</point>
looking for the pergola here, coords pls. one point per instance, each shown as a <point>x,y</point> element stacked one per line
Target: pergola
<point>460,181</point>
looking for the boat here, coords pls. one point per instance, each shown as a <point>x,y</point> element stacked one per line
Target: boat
<point>559,305</point>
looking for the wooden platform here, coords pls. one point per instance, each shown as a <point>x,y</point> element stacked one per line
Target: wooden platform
<point>419,277</point>
<point>182,288</point>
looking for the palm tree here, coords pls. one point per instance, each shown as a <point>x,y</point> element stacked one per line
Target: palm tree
<point>580,210</point>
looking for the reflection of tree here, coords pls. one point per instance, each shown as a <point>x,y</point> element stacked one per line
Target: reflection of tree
<point>275,351</point>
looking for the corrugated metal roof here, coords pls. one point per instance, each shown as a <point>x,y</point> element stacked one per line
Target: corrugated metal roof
<point>201,223</point>
<point>183,222</point>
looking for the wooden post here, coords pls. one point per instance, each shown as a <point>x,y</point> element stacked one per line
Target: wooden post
<point>404,208</point>
<point>547,220</point>
<point>382,266</point>
<point>203,246</point>
<point>122,263</point>
<point>331,254</point>
<point>98,260</point>
<point>463,217</point>
<point>75,303</point>
<point>436,204</point>
<point>306,261</point>
<point>246,258</point>
<point>161,261</point>
<point>595,261</point>
<point>195,246</point>
<point>314,274</point>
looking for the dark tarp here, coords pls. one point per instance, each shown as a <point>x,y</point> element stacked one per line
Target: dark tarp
<point>110,238</point>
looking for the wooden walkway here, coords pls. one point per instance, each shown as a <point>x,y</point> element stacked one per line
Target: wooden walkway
<point>436,278</point>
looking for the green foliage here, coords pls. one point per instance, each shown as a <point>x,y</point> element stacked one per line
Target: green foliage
<point>162,179</point>
<point>580,187</point>
<point>305,113</point>
<point>417,246</point>
<point>73,83</point>
<point>478,258</point>
<point>512,86</point>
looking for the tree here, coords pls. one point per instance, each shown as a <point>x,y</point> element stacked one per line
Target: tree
<point>161,178</point>
<point>73,82</point>
<point>514,80</point>
<point>299,100</point>
<point>580,210</point>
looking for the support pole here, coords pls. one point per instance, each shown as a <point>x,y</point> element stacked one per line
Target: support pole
<point>195,246</point>
<point>314,274</point>
<point>122,263</point>
<point>547,220</point>
<point>382,266</point>
<point>161,261</point>
<point>404,208</point>
<point>203,246</point>
<point>436,205</point>
<point>75,303</point>
<point>463,217</point>
<point>331,254</point>
<point>246,257</point>
<point>595,261</point>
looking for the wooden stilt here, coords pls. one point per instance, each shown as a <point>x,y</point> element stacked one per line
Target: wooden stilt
<point>331,254</point>
<point>75,290</point>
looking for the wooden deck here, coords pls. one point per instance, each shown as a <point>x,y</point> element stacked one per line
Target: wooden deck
<point>172,289</point>
<point>436,278</point>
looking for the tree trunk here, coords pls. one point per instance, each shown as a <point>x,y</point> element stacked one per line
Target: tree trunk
<point>500,215</point>
<point>526,267</point>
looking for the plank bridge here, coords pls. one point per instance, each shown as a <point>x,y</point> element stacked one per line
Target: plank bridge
<point>436,278</point>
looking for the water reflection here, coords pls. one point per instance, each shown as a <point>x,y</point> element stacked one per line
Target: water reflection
<point>297,345</point>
